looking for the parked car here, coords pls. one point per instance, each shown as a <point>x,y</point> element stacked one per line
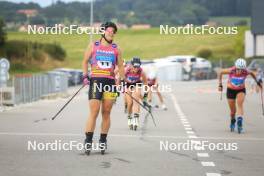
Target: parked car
<point>74,75</point>
<point>256,64</point>
<point>194,68</point>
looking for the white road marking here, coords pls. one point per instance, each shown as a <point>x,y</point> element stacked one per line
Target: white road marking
<point>202,154</point>
<point>183,119</point>
<point>185,122</point>
<point>189,132</point>
<point>207,164</point>
<point>192,136</point>
<point>188,128</point>
<point>213,174</point>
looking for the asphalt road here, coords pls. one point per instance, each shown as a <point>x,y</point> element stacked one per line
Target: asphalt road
<point>195,114</point>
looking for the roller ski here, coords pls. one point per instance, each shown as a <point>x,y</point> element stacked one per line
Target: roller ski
<point>239,124</point>
<point>232,124</point>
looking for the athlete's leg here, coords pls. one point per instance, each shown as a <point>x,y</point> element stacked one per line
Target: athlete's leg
<point>159,95</point>
<point>129,102</point>
<point>232,107</point>
<point>125,103</point>
<point>90,124</point>
<point>149,95</point>
<point>94,105</point>
<point>137,95</point>
<point>240,102</point>
<point>231,99</point>
<point>240,110</point>
<point>163,106</point>
<point>136,107</point>
<point>106,110</point>
<point>129,109</point>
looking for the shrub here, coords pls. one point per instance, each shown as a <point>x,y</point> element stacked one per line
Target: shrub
<point>26,50</point>
<point>16,49</point>
<point>55,51</point>
<point>204,53</point>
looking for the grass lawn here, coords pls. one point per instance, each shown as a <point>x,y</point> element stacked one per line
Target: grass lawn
<point>147,44</point>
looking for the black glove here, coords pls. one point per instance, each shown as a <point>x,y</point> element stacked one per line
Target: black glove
<point>220,87</point>
<point>259,83</point>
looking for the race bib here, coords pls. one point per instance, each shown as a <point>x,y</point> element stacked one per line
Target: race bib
<point>133,79</point>
<point>104,64</point>
<point>237,82</point>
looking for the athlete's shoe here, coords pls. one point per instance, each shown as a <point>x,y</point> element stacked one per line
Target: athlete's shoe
<point>164,107</point>
<point>102,146</point>
<point>233,124</point>
<point>136,121</point>
<point>87,146</point>
<point>239,124</point>
<point>130,122</point>
<point>125,109</point>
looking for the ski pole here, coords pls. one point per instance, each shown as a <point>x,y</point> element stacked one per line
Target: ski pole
<point>262,104</point>
<point>67,103</point>
<point>148,110</point>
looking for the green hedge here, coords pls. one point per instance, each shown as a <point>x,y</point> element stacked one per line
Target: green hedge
<point>26,50</point>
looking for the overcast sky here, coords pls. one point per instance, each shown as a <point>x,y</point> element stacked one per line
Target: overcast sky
<point>44,3</point>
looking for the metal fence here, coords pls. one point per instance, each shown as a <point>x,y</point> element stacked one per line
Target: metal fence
<point>26,88</point>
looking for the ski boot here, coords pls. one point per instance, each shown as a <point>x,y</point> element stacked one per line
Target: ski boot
<point>87,146</point>
<point>233,124</point>
<point>102,146</point>
<point>164,107</point>
<point>239,124</point>
<point>125,109</point>
<point>136,121</point>
<point>130,122</point>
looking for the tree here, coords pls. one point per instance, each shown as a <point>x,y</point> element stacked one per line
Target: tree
<point>2,32</point>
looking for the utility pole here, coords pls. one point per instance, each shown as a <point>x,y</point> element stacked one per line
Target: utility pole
<point>91,20</point>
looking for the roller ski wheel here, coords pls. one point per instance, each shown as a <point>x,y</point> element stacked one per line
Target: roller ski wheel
<point>103,147</point>
<point>239,124</point>
<point>232,125</point>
